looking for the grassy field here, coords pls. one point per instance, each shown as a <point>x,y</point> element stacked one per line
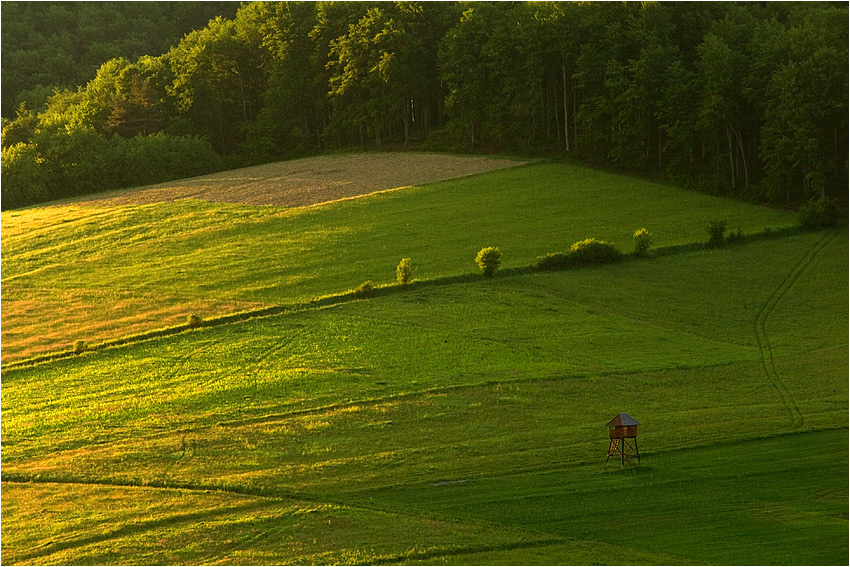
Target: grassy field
<point>115,271</point>
<point>307,181</point>
<point>461,423</point>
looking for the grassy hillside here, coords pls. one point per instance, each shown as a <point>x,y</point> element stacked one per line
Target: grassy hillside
<point>461,423</point>
<point>120,270</point>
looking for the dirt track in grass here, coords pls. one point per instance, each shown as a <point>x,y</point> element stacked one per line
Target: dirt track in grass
<point>307,181</point>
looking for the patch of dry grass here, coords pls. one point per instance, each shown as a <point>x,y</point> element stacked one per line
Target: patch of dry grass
<point>308,181</point>
<point>37,321</point>
<point>51,316</point>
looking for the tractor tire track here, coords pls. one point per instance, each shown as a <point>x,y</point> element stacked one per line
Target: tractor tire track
<point>174,369</point>
<point>760,327</point>
<point>272,350</point>
<point>265,499</point>
<point>141,527</point>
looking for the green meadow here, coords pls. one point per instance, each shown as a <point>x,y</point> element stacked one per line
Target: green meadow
<point>457,420</point>
<point>128,269</point>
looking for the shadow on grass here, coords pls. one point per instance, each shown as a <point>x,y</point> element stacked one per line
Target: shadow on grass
<point>141,527</point>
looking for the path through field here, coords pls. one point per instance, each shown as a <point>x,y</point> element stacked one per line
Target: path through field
<point>767,356</point>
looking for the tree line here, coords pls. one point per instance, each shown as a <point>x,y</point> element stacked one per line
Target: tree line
<point>742,99</point>
<point>47,45</point>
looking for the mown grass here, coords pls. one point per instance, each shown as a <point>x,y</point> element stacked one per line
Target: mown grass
<point>90,524</point>
<point>754,504</point>
<point>224,258</point>
<point>694,310</point>
<point>462,424</point>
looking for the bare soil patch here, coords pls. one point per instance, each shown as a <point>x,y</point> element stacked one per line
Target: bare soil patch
<point>308,181</point>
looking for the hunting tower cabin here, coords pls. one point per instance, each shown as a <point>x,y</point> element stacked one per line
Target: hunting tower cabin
<point>620,430</point>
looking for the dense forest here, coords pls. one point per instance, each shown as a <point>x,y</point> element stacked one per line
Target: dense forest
<point>49,45</point>
<point>742,99</point>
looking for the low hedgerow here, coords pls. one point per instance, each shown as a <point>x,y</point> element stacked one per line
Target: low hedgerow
<point>366,289</point>
<point>583,253</point>
<point>554,261</point>
<point>591,251</point>
<point>735,237</point>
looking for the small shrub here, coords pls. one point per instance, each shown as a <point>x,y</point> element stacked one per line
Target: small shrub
<point>716,230</point>
<point>829,211</point>
<point>366,289</point>
<point>818,214</point>
<point>554,261</point>
<point>404,271</point>
<point>489,259</point>
<point>808,215</point>
<point>194,321</point>
<point>735,237</point>
<point>592,251</point>
<point>80,347</point>
<point>643,240</point>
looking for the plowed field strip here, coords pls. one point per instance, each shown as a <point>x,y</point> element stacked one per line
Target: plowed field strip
<point>307,181</point>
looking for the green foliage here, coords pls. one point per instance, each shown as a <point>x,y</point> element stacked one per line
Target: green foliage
<point>583,253</point>
<point>80,346</point>
<point>25,177</point>
<point>760,90</point>
<point>366,289</point>
<point>21,129</point>
<point>735,237</point>
<point>48,44</point>
<point>820,213</point>
<point>489,259</point>
<point>138,113</point>
<point>643,241</point>
<point>81,161</point>
<point>404,271</point>
<point>592,251</point>
<point>159,157</point>
<point>194,320</point>
<point>716,230</point>
<point>553,261</point>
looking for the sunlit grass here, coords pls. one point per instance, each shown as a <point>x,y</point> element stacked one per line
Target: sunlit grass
<point>459,423</point>
<point>512,378</point>
<point>91,524</point>
<point>172,256</point>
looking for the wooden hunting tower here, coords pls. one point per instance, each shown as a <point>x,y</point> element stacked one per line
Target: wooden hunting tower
<point>620,430</point>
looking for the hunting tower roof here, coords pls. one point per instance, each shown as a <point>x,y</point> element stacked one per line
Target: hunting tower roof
<point>623,420</point>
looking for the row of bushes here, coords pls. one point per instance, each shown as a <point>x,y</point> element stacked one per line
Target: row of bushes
<point>815,214</point>
<point>587,252</point>
<point>489,259</point>
<point>81,161</point>
<point>583,253</point>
